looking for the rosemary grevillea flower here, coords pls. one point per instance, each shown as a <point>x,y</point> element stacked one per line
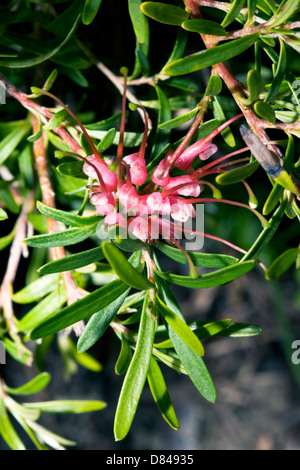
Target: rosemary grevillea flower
<point>140,202</point>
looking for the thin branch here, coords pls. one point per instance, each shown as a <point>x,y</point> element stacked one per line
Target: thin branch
<point>49,199</point>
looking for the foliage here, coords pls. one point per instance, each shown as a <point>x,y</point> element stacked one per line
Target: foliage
<point>224,72</point>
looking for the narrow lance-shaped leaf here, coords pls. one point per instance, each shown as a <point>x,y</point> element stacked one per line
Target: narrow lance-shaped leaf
<point>160,394</point>
<point>12,140</point>
<point>282,264</point>
<point>90,10</point>
<point>192,362</point>
<point>33,386</point>
<point>44,309</point>
<point>164,13</point>
<point>238,174</point>
<point>204,27</point>
<point>67,217</point>
<point>7,431</point>
<point>99,322</point>
<point>19,63</point>
<point>75,261</point>
<point>164,114</point>
<point>210,56</point>
<point>138,20</point>
<point>123,268</point>
<point>36,289</point>
<point>286,11</point>
<point>3,214</point>
<point>205,260</point>
<point>136,375</point>
<point>231,15</point>
<point>66,406</point>
<point>67,237</point>
<point>204,281</point>
<point>124,358</point>
<point>279,74</point>
<point>84,307</point>
<point>180,328</point>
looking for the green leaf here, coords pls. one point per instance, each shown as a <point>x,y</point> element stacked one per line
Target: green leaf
<point>107,140</point>
<point>138,20</point>
<point>33,386</point>
<point>99,322</point>
<point>251,4</point>
<point>126,272</point>
<point>237,174</point>
<point>41,58</point>
<point>231,15</point>
<point>288,9</point>
<point>267,234</point>
<point>76,261</point>
<point>204,27</point>
<point>70,168</point>
<point>281,264</point>
<point>219,114</point>
<point>205,260</point>
<point>180,328</point>
<point>210,56</point>
<point>179,120</point>
<point>255,86</point>
<point>179,45</point>
<point>56,120</point>
<point>50,80</point>
<point>12,140</point>
<point>279,74</point>
<point>160,394</point>
<point>192,362</point>
<point>164,114</point>
<point>7,431</point>
<point>18,352</point>
<point>6,240</point>
<point>124,358</point>
<point>66,406</point>
<point>216,278</point>
<point>240,330</point>
<point>36,289</point>
<point>84,359</point>
<point>181,84</point>
<point>214,86</point>
<point>80,310</point>
<point>3,214</point>
<point>167,14</point>
<point>67,217</point>
<point>68,237</point>
<point>44,309</point>
<point>273,199</point>
<point>137,372</point>
<point>90,10</point>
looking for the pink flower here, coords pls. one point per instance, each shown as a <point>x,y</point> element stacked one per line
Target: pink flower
<point>186,186</point>
<point>138,227</point>
<point>115,218</point>
<point>187,157</point>
<point>137,165</point>
<point>181,211</point>
<point>128,197</point>
<point>104,202</point>
<point>108,176</point>
<point>161,175</point>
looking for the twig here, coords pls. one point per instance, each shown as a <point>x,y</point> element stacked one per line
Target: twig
<point>235,87</point>
<point>58,252</point>
<point>16,251</point>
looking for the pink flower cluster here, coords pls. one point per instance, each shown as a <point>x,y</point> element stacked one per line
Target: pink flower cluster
<point>116,195</point>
